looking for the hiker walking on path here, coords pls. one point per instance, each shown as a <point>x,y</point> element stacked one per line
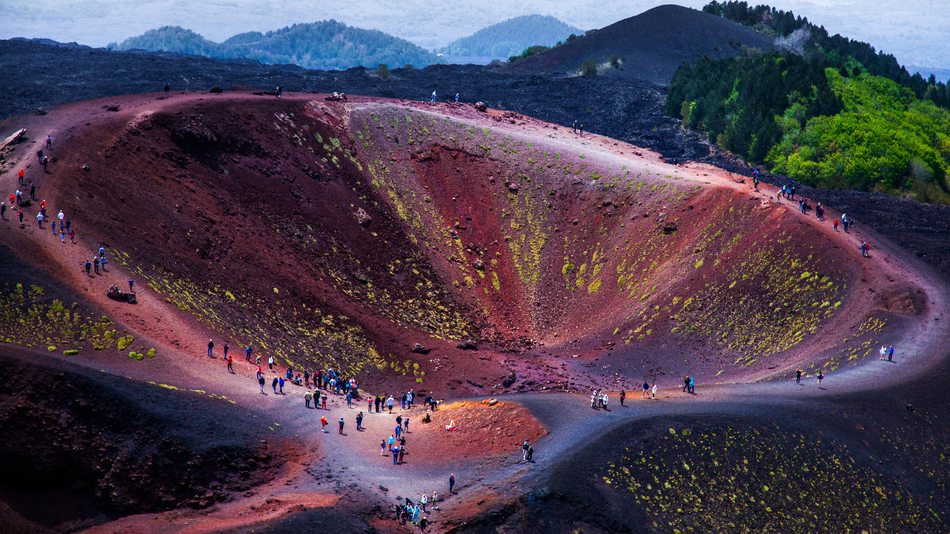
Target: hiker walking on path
<point>524,451</point>
<point>890,353</point>
<point>452,483</point>
<point>654,390</point>
<point>820,377</point>
<point>210,347</point>
<point>230,365</point>
<point>306,398</point>
<point>20,176</point>
<point>323,423</point>
<point>49,141</point>
<point>32,191</point>
<point>260,380</point>
<point>623,395</point>
<point>359,421</point>
<point>247,352</point>
<point>270,363</point>
<point>798,376</point>
<point>390,403</point>
<point>3,211</point>
<point>341,425</point>
<point>166,90</point>
<point>274,385</point>
<point>131,282</point>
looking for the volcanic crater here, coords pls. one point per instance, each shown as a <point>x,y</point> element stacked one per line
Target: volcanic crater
<point>429,246</point>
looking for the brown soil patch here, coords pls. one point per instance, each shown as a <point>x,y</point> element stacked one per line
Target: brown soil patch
<point>482,430</point>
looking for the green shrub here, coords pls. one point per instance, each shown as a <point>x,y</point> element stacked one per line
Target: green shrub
<point>589,68</point>
<point>70,352</point>
<point>383,71</point>
<point>124,342</point>
<point>151,353</point>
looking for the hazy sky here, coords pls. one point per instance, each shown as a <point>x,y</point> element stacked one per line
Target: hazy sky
<point>917,32</point>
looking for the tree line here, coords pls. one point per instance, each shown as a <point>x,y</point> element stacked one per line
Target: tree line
<point>830,113</point>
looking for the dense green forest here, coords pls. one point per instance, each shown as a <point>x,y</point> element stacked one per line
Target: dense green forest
<point>826,110</point>
<point>320,45</point>
<point>510,37</point>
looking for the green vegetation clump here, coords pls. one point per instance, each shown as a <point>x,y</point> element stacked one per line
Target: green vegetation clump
<point>760,478</point>
<point>528,52</point>
<point>382,71</point>
<point>589,68</point>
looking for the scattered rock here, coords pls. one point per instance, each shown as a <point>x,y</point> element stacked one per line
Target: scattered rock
<point>509,380</point>
<point>467,344</point>
<point>513,187</point>
<point>217,90</point>
<point>363,218</point>
<point>419,349</point>
<point>479,265</point>
<point>669,228</point>
<point>481,106</point>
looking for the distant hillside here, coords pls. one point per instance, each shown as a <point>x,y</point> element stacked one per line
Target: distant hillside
<point>510,37</point>
<point>320,45</point>
<point>650,46</point>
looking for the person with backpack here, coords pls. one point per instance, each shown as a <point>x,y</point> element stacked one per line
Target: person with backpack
<point>88,268</point>
<point>341,425</point>
<point>359,421</point>
<point>247,352</point>
<point>95,260</point>
<point>49,142</point>
<point>821,376</point>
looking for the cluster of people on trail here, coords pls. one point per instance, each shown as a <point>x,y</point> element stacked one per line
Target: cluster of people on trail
<point>689,384</point>
<point>887,352</point>
<point>845,223</point>
<point>646,391</point>
<point>578,128</point>
<point>412,512</point>
<point>598,399</point>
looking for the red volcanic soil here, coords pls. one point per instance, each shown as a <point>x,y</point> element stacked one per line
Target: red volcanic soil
<point>517,255</point>
<point>652,44</point>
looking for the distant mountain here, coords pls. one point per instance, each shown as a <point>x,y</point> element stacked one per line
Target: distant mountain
<point>649,46</point>
<point>320,45</point>
<point>510,37</point>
